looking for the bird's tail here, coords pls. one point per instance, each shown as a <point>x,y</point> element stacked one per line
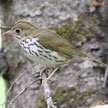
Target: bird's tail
<point>96,61</point>
<point>93,59</point>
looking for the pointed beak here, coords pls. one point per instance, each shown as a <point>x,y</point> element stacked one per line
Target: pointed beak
<point>8,33</point>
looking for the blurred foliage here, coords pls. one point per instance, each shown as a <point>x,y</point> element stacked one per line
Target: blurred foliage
<point>0,40</point>
<point>2,92</point>
<point>2,85</point>
<point>40,99</point>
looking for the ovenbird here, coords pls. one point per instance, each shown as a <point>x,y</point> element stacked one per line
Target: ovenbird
<point>43,46</point>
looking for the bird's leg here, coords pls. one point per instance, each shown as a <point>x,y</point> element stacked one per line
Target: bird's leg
<point>48,78</point>
<point>45,69</point>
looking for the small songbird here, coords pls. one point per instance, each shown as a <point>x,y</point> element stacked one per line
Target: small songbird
<point>44,46</point>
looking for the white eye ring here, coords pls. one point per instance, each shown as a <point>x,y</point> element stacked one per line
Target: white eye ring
<point>18,30</point>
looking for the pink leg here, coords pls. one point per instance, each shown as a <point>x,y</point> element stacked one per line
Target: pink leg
<point>47,79</point>
<point>45,69</point>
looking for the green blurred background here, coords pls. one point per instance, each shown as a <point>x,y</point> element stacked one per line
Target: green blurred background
<point>2,83</point>
<point>2,92</point>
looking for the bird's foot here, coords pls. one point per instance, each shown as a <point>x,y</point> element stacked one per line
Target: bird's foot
<point>49,77</point>
<point>45,69</point>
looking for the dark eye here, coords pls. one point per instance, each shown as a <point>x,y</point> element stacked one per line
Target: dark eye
<point>18,30</point>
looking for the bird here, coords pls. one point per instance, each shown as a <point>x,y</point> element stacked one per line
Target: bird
<point>45,47</point>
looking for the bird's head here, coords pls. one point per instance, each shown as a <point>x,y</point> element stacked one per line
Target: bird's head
<point>21,30</point>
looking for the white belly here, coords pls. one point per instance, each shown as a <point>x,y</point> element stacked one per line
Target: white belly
<point>40,54</point>
<point>43,60</point>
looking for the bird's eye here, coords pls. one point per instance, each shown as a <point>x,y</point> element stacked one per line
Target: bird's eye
<point>18,30</point>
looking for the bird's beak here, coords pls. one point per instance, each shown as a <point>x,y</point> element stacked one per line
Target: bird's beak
<point>9,33</point>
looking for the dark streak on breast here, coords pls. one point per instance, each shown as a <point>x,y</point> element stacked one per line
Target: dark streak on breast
<point>42,47</point>
<point>30,51</point>
<point>41,54</point>
<point>25,41</point>
<point>38,46</point>
<point>47,51</point>
<point>47,57</point>
<point>35,53</point>
<point>54,56</point>
<point>59,61</point>
<point>40,51</point>
<point>31,44</point>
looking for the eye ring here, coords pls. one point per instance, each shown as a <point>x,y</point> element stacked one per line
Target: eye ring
<point>18,30</point>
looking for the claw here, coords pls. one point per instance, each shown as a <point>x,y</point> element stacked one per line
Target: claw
<point>43,70</point>
<point>49,77</point>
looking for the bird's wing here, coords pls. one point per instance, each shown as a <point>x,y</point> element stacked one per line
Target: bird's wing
<point>54,42</point>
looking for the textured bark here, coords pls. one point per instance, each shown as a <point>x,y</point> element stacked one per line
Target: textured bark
<point>76,82</point>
